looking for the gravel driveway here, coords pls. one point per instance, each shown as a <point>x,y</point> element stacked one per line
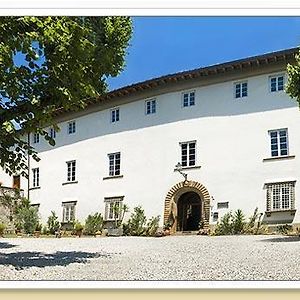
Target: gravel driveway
<point>141,258</point>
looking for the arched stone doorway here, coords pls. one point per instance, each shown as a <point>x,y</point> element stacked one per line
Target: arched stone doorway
<point>186,205</point>
<point>189,212</point>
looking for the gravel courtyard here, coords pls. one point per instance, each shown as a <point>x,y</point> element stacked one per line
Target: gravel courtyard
<point>141,258</point>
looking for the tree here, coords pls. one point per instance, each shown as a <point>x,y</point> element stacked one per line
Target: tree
<point>53,223</point>
<point>293,84</point>
<point>49,64</point>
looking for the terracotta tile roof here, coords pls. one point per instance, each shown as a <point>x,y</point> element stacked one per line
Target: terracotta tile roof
<point>259,60</point>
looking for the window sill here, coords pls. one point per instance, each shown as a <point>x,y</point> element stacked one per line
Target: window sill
<point>113,177</point>
<point>34,188</point>
<point>188,168</point>
<point>69,182</point>
<point>291,211</point>
<point>279,158</point>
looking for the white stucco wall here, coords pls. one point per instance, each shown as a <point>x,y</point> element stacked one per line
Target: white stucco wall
<point>232,141</point>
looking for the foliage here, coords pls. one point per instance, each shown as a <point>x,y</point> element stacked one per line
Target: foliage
<point>167,225</point>
<point>254,224</point>
<point>284,229</point>
<point>152,226</point>
<point>53,223</point>
<point>78,226</point>
<point>38,227</point>
<point>119,214</point>
<point>63,62</point>
<point>45,230</point>
<point>93,223</point>
<point>137,222</point>
<point>11,200</point>
<point>238,222</point>
<point>2,229</point>
<point>138,225</point>
<point>27,219</point>
<point>224,227</point>
<point>293,83</point>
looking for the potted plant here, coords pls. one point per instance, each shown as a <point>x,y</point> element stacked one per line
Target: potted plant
<point>2,229</point>
<point>167,228</point>
<point>78,228</point>
<point>119,213</point>
<point>38,230</point>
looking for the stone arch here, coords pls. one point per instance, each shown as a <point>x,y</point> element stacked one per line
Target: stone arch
<point>170,209</point>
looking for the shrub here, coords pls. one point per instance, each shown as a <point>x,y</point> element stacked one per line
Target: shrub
<point>238,222</point>
<point>45,230</point>
<point>235,223</point>
<point>93,223</point>
<point>53,223</point>
<point>225,225</point>
<point>137,222</point>
<point>78,226</point>
<point>27,219</point>
<point>38,227</point>
<point>2,229</point>
<point>284,229</point>
<point>152,226</point>
<point>254,224</point>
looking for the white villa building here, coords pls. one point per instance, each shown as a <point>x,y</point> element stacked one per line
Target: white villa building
<point>231,126</point>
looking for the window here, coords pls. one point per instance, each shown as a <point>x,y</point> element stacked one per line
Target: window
<point>188,99</point>
<point>113,208</point>
<point>215,216</point>
<point>115,115</point>
<point>36,138</point>
<point>280,196</point>
<point>222,205</point>
<point>188,154</point>
<point>36,177</point>
<point>241,89</point>
<point>71,170</point>
<point>114,163</point>
<point>279,142</point>
<point>150,106</point>
<point>71,127</point>
<point>16,182</point>
<point>52,133</point>
<point>68,211</point>
<point>276,83</point>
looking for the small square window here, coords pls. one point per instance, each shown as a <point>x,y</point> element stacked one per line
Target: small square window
<point>36,138</point>
<point>71,127</point>
<point>276,83</point>
<point>188,99</point>
<point>150,106</point>
<point>241,89</point>
<point>215,216</point>
<point>115,115</point>
<point>222,205</point>
<point>52,133</point>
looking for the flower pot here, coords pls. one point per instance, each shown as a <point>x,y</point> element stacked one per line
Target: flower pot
<point>37,234</point>
<point>114,231</point>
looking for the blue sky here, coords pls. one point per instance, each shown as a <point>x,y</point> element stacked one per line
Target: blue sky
<point>164,45</point>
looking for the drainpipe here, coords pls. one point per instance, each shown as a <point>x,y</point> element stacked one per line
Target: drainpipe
<point>28,166</point>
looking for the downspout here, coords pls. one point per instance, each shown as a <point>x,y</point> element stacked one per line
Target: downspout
<point>28,166</point>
